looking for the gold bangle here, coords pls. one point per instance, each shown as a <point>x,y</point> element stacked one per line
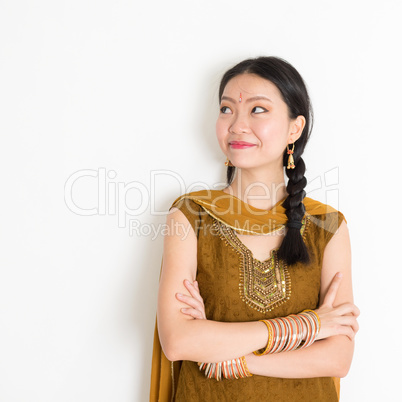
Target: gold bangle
<point>244,365</point>
<point>318,318</point>
<point>270,340</point>
<point>283,334</point>
<point>311,319</point>
<point>229,369</point>
<point>311,325</point>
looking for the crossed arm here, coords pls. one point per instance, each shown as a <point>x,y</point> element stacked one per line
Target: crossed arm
<point>187,335</point>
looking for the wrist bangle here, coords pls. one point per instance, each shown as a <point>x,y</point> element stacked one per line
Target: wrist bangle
<point>313,323</point>
<point>229,369</point>
<point>244,366</point>
<point>270,341</point>
<point>316,316</point>
<point>286,333</point>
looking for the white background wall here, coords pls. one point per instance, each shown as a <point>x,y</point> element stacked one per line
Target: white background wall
<point>130,89</point>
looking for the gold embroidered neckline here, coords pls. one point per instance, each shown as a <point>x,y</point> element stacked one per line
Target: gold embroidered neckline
<point>246,250</point>
<point>263,285</point>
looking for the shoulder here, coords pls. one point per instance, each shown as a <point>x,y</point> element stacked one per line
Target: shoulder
<point>186,209</point>
<point>205,195</point>
<point>326,218</point>
<point>195,201</point>
<point>187,204</point>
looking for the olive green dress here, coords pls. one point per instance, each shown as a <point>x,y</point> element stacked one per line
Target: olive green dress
<point>237,288</point>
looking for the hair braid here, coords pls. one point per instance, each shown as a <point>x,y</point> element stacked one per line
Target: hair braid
<point>294,93</point>
<point>293,248</point>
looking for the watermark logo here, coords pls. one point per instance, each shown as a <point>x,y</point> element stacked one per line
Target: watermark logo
<point>112,197</point>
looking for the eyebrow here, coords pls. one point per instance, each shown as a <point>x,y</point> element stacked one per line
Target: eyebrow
<point>254,98</point>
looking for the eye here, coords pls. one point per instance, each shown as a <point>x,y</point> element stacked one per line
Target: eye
<point>259,109</point>
<point>225,110</point>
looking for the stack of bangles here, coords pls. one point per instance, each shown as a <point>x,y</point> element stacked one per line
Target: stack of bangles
<point>284,334</point>
<point>230,369</point>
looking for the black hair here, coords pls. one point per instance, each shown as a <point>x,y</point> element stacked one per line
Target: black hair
<point>294,93</point>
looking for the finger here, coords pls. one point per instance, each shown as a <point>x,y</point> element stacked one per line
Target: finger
<point>332,290</point>
<point>193,313</point>
<point>190,301</point>
<point>189,311</point>
<point>348,331</point>
<point>347,308</point>
<point>357,311</point>
<point>197,286</point>
<point>193,290</point>
<point>191,285</point>
<point>355,327</point>
<point>352,322</point>
<point>345,328</point>
<point>349,320</point>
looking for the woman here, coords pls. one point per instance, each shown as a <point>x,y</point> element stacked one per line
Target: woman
<point>241,265</point>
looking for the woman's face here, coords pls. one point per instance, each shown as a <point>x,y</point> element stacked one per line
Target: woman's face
<point>254,132</point>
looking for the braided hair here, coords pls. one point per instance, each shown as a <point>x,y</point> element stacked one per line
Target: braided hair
<point>295,95</point>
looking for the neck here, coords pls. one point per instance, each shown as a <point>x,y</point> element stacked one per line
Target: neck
<point>260,189</point>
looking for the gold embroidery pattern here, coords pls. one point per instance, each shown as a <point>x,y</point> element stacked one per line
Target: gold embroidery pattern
<point>264,285</point>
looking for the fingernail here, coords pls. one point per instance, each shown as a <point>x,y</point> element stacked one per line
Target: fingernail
<point>187,282</point>
<point>339,274</point>
<point>179,295</point>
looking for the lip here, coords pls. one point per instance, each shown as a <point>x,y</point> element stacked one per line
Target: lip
<point>241,144</point>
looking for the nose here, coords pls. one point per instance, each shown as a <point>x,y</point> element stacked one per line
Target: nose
<point>239,125</point>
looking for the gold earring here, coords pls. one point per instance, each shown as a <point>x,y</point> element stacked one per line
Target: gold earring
<point>291,162</point>
<point>228,163</point>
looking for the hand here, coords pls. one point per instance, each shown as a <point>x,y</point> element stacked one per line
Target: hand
<point>340,320</point>
<point>195,302</point>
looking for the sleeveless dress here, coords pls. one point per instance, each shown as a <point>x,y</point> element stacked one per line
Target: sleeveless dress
<point>236,287</point>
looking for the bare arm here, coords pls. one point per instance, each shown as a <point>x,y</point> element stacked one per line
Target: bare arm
<point>184,338</point>
<point>331,356</point>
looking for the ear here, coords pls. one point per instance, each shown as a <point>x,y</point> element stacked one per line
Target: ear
<point>296,128</point>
